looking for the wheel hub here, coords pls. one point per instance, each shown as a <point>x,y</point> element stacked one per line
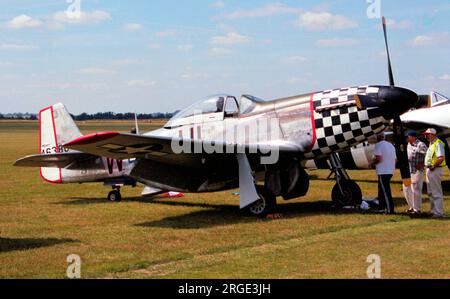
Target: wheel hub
<point>259,207</point>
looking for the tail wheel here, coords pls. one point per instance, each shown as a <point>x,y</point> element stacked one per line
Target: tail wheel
<point>265,205</point>
<point>114,196</point>
<point>351,194</point>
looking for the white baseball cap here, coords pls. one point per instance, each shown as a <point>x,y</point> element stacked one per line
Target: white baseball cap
<point>430,131</point>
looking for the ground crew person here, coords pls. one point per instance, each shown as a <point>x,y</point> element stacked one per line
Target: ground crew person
<point>385,160</point>
<point>416,158</point>
<point>434,162</point>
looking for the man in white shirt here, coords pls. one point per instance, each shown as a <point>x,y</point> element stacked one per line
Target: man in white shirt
<point>385,160</point>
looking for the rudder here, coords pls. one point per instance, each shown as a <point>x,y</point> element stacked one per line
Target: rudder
<point>56,127</point>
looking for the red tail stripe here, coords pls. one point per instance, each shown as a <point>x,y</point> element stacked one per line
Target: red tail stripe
<point>313,123</point>
<point>92,138</point>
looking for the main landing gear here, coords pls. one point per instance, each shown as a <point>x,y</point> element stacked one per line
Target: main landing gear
<point>265,205</point>
<point>346,192</point>
<point>115,195</point>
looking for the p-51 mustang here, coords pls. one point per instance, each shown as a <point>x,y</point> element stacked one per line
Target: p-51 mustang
<point>222,143</point>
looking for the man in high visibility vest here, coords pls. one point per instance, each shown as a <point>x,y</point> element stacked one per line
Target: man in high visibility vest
<point>434,162</point>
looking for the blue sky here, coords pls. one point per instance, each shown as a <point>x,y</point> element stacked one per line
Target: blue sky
<point>151,56</point>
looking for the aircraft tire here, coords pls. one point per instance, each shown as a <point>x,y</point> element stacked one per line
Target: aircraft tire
<point>265,205</point>
<point>114,196</point>
<point>351,196</point>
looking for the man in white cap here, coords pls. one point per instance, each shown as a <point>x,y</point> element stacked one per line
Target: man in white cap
<point>416,157</point>
<point>434,162</point>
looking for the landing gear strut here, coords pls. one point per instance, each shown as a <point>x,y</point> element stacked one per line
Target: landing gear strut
<point>115,195</point>
<point>346,192</point>
<point>265,205</point>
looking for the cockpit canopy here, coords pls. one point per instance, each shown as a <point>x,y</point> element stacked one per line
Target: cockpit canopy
<point>213,108</point>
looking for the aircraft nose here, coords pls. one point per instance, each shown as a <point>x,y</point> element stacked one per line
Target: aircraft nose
<point>392,101</point>
<point>395,101</point>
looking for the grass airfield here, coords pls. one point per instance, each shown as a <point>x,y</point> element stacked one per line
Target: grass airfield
<point>200,235</point>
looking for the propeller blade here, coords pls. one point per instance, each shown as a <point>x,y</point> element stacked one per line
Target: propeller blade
<point>391,74</point>
<point>402,153</point>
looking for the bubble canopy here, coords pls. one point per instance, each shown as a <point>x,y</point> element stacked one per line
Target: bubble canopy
<point>212,105</point>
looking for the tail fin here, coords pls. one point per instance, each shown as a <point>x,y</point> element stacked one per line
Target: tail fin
<point>56,127</point>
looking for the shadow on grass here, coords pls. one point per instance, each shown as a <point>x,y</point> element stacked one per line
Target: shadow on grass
<point>8,245</point>
<point>157,201</point>
<point>222,215</point>
<point>369,181</point>
<point>213,215</point>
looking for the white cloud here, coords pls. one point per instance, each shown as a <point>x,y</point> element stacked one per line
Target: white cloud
<point>337,42</point>
<point>220,51</point>
<point>5,63</point>
<point>316,21</point>
<point>96,71</point>
<point>294,59</point>
<point>141,83</point>
<point>445,77</point>
<point>431,39</point>
<point>133,27</point>
<point>18,47</point>
<point>166,33</point>
<point>230,38</point>
<point>24,21</point>
<point>185,48</point>
<point>86,17</point>
<point>219,4</point>
<point>271,9</point>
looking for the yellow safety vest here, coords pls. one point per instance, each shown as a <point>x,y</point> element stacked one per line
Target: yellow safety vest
<point>433,149</point>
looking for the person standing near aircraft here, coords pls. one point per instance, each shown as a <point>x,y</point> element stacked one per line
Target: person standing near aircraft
<point>385,160</point>
<point>416,157</point>
<point>434,162</point>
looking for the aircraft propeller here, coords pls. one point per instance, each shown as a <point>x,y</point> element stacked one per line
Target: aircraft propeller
<point>399,131</point>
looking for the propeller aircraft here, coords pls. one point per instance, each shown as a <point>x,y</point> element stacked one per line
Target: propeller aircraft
<point>221,143</point>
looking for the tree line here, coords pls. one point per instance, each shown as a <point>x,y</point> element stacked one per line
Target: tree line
<point>96,116</point>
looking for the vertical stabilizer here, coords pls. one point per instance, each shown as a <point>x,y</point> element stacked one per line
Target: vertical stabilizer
<point>56,127</point>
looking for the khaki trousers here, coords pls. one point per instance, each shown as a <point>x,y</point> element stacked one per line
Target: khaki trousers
<point>434,180</point>
<point>413,193</point>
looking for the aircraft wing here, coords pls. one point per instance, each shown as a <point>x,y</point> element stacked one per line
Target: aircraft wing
<point>58,160</point>
<point>158,148</point>
<point>428,117</point>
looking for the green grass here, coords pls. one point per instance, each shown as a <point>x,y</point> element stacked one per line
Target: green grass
<point>200,235</point>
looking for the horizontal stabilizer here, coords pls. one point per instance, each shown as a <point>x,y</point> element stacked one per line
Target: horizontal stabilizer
<point>150,191</point>
<point>58,160</point>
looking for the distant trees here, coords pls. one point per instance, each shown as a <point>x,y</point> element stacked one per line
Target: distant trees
<point>120,116</point>
<point>96,116</point>
<point>19,116</point>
